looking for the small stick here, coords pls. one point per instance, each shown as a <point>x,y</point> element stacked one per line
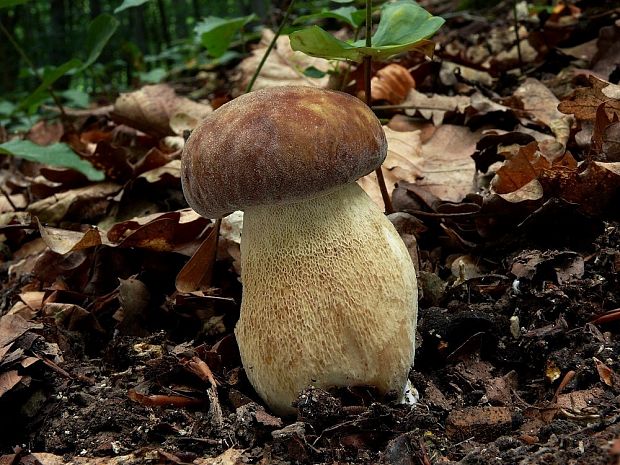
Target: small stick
<point>8,198</point>
<point>270,47</point>
<point>367,86</point>
<point>516,23</point>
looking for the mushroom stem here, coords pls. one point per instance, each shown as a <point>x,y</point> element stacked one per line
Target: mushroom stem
<point>329,297</point>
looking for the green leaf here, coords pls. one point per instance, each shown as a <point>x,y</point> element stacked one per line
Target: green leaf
<point>129,4</point>
<point>51,76</point>
<point>404,23</point>
<point>6,108</point>
<point>76,98</point>
<point>404,26</point>
<point>347,14</point>
<point>153,76</point>
<point>99,32</point>
<point>216,34</point>
<point>59,154</point>
<point>10,3</point>
<point>313,72</point>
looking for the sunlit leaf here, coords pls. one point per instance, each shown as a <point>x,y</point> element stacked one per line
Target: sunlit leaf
<point>347,14</point>
<point>216,34</point>
<point>404,26</point>
<point>40,93</point>
<point>99,32</point>
<point>129,4</point>
<point>59,154</point>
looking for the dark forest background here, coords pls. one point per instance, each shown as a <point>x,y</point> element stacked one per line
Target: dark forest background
<point>151,39</point>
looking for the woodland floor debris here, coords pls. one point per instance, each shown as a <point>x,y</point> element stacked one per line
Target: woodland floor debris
<point>105,359</point>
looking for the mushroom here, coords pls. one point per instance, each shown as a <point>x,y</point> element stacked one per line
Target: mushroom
<point>329,289</point>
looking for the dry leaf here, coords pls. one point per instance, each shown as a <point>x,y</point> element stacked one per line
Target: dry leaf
<point>448,169</point>
<point>436,106</point>
<point>197,273</point>
<point>13,326</point>
<point>230,457</point>
<point>54,208</point>
<point>449,72</point>
<point>283,67</point>
<point>401,163</point>
<point>63,241</point>
<point>607,50</point>
<point>170,172</point>
<point>542,104</point>
<point>46,133</point>
<point>584,101</point>
<point>8,380</point>
<point>152,108</point>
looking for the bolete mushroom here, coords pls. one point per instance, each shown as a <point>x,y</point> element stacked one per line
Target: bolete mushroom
<point>329,289</point>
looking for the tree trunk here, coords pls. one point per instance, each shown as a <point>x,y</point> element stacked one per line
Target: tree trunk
<point>10,58</point>
<point>57,52</point>
<point>164,22</point>
<point>197,10</point>
<point>95,8</point>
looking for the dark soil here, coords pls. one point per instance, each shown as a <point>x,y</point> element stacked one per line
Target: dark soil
<point>509,371</point>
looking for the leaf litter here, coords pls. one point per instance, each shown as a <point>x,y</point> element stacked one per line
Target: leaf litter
<point>116,341</point>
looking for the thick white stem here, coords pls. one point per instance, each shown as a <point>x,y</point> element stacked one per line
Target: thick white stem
<point>329,297</point>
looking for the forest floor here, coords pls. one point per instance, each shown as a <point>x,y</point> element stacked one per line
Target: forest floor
<point>114,351</point>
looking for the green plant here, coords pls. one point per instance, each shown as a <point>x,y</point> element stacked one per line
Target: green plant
<point>404,26</point>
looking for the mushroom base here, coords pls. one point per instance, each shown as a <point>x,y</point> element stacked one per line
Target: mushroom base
<point>329,298</point>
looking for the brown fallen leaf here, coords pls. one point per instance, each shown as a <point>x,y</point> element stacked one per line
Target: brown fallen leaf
<point>153,108</point>
<point>8,380</point>
<point>434,107</point>
<point>230,457</point>
<point>169,173</point>
<point>448,169</point>
<point>197,273</point>
<point>607,56</point>
<point>63,241</point>
<point>584,101</point>
<point>45,133</point>
<point>401,164</point>
<point>13,326</point>
<point>607,375</point>
<point>54,208</point>
<point>540,103</point>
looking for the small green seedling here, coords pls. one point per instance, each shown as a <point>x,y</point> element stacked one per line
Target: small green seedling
<point>404,26</point>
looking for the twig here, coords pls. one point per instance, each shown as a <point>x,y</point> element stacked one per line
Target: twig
<point>270,47</point>
<point>30,64</point>
<point>368,90</point>
<point>347,71</point>
<point>8,198</point>
<point>516,23</point>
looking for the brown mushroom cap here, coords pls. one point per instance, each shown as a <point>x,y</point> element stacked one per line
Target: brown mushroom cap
<point>279,145</point>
